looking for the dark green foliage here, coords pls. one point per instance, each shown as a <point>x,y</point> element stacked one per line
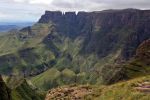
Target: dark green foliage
<point>5,92</point>
<point>24,92</point>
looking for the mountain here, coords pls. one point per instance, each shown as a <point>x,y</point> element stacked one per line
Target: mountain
<point>112,27</point>
<point>6,26</point>
<point>65,48</point>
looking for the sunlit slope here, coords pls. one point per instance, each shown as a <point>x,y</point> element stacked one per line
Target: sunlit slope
<point>22,50</point>
<point>124,90</point>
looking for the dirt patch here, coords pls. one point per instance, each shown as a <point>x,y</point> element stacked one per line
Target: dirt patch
<point>69,93</point>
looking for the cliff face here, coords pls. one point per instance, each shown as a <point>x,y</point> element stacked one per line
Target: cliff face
<point>103,31</point>
<point>69,23</point>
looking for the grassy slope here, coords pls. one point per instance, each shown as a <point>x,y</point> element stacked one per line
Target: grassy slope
<point>24,92</point>
<point>25,50</point>
<point>9,44</point>
<point>138,70</point>
<point>123,91</point>
<point>18,89</point>
<point>46,79</point>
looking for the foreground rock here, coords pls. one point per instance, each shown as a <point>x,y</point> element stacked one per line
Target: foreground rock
<point>69,93</point>
<point>144,87</point>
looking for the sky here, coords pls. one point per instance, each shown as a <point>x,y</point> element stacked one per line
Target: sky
<point>31,10</point>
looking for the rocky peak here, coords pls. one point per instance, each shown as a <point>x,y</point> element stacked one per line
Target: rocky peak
<point>50,15</point>
<point>53,13</point>
<point>69,14</point>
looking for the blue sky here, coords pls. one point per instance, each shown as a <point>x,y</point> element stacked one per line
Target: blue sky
<point>31,10</point>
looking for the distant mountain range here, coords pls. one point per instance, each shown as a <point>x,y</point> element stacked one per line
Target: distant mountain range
<point>6,26</point>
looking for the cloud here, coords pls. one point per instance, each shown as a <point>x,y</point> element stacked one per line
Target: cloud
<point>40,1</point>
<point>88,5</point>
<point>46,2</point>
<point>21,1</point>
<point>2,15</point>
<point>33,9</point>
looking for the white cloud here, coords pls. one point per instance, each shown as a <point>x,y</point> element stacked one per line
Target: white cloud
<point>2,15</point>
<point>33,9</point>
<point>40,1</point>
<point>20,1</point>
<point>46,2</point>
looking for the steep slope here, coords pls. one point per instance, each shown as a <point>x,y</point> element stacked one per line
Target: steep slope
<point>137,87</point>
<point>21,90</point>
<point>25,92</point>
<point>137,66</point>
<point>140,64</point>
<point>4,91</point>
<point>137,70</point>
<point>22,52</point>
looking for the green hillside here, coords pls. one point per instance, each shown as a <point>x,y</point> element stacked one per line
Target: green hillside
<point>123,91</point>
<point>25,92</point>
<point>137,70</point>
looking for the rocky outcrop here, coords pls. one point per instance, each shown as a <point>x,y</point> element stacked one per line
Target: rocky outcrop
<point>50,15</point>
<point>69,93</point>
<point>143,87</point>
